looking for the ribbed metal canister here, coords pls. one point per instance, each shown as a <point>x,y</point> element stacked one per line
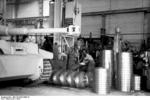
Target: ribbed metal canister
<point>81,80</point>
<point>137,83</point>
<point>101,85</point>
<point>51,77</point>
<point>62,78</point>
<point>125,72</point>
<point>107,62</point>
<point>107,59</point>
<point>56,77</point>
<point>90,80</point>
<point>70,78</point>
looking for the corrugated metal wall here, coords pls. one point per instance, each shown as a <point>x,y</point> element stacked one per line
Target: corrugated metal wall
<point>91,24</point>
<point>126,4</point>
<point>147,23</point>
<point>131,24</point>
<point>103,5</point>
<point>94,5</point>
<point>128,22</point>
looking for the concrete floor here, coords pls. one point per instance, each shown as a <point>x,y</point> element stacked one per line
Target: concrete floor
<point>49,90</point>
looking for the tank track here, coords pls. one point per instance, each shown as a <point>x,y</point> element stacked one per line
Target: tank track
<point>47,70</point>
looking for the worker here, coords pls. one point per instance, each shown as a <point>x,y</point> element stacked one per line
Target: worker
<point>60,58</point>
<point>87,63</point>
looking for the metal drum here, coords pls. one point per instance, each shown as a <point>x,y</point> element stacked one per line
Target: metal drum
<point>125,72</point>
<point>107,59</point>
<point>51,77</point>
<point>70,78</point>
<point>101,85</point>
<point>56,77</point>
<point>81,80</point>
<point>90,82</point>
<point>137,83</point>
<point>62,78</point>
<point>107,62</point>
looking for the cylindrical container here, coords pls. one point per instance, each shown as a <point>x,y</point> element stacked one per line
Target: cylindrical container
<point>107,62</point>
<point>101,85</point>
<point>124,77</point>
<point>62,78</point>
<point>137,83</point>
<point>107,59</point>
<point>81,80</point>
<point>70,79</point>
<point>51,77</point>
<point>56,77</point>
<point>90,80</point>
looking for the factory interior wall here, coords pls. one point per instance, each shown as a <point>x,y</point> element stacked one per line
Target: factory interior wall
<point>103,5</point>
<point>91,24</point>
<point>147,27</point>
<point>131,25</point>
<point>94,5</point>
<point>147,23</point>
<point>134,23</point>
<point>28,10</point>
<point>23,10</point>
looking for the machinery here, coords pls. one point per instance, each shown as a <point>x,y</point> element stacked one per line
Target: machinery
<point>25,60</point>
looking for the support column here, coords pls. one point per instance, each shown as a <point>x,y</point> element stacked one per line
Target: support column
<point>57,20</point>
<point>4,11</point>
<point>103,28</point>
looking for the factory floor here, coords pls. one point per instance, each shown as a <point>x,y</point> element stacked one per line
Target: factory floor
<point>49,90</point>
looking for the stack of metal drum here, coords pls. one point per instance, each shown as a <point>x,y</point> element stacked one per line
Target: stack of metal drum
<point>125,72</point>
<point>101,82</point>
<point>107,63</point>
<point>103,74</point>
<point>70,78</point>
